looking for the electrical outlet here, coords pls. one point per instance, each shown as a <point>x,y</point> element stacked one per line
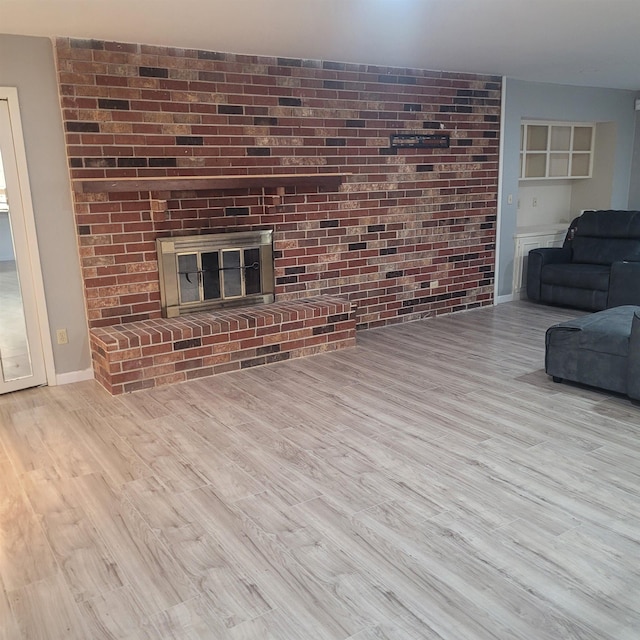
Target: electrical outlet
<point>534,202</point>
<point>510,198</point>
<point>61,336</point>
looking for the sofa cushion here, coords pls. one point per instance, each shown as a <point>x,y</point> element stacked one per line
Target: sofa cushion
<point>580,276</point>
<point>603,251</point>
<point>609,224</point>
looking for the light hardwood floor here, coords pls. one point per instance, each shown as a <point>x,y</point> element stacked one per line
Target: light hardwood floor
<point>432,483</point>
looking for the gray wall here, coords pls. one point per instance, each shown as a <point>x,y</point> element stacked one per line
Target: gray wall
<point>634,190</point>
<point>559,102</point>
<point>28,64</point>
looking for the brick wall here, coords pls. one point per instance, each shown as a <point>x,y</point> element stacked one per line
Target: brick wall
<point>410,232</point>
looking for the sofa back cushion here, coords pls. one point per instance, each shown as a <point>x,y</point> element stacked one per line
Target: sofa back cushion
<point>603,250</point>
<point>609,224</point>
<point>604,237</point>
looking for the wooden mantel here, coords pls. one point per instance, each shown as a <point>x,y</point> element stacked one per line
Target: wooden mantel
<point>205,183</point>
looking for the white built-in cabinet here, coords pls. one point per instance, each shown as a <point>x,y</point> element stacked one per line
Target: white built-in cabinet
<point>528,238</point>
<point>556,150</point>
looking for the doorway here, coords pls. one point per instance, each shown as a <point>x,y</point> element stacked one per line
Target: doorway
<point>23,321</point>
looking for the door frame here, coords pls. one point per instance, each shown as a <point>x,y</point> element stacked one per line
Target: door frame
<point>10,94</point>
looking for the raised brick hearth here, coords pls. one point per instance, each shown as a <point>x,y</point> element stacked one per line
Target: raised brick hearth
<point>141,355</point>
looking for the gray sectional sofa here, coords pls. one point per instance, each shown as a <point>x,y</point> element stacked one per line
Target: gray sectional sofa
<point>598,267</point>
<point>599,349</point>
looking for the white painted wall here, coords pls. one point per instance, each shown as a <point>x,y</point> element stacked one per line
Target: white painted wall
<point>544,202</point>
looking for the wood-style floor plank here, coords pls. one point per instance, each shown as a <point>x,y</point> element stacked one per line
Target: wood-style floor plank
<point>430,484</point>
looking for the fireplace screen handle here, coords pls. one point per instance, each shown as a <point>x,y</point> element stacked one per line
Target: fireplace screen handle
<point>255,266</point>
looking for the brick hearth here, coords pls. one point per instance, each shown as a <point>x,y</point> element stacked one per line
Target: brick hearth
<point>141,355</point>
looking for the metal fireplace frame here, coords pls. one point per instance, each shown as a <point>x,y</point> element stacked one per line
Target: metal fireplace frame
<point>169,250</point>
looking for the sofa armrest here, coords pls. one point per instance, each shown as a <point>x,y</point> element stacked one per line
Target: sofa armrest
<point>633,361</point>
<point>624,284</point>
<point>537,259</point>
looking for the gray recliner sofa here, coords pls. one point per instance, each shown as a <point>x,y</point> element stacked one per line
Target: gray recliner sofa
<point>598,266</point>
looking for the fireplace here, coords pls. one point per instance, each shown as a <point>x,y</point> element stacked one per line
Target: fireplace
<point>214,271</point>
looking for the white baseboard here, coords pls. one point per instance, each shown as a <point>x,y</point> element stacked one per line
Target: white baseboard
<point>74,376</point>
<point>508,298</point>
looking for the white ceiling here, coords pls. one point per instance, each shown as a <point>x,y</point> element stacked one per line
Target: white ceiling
<point>581,42</point>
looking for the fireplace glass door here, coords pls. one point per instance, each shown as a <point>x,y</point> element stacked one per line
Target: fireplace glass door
<point>218,270</point>
<point>219,275</point>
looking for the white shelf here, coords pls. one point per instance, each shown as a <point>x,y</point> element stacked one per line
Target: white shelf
<point>556,150</point>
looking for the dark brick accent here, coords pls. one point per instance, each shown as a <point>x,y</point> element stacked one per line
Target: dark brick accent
<point>258,151</point>
<point>230,109</point>
<point>490,118</point>
<point>374,228</point>
<point>431,124</point>
<point>121,105</point>
<point>437,298</point>
<point>265,121</point>
<point>479,158</point>
<point>254,362</point>
<point>356,246</point>
<point>270,348</point>
<point>394,274</point>
<point>84,230</point>
<point>163,162</point>
<point>389,151</point>
<point>489,134</point>
<point>289,102</point>
<point>388,251</point>
<point>289,271</point>
<point>287,280</point>
<point>153,72</point>
<point>412,106</point>
<point>393,79</point>
<point>179,345</point>
<point>132,162</point>
<point>194,141</point>
<point>333,84</point>
<point>334,66</point>
<point>341,317</point>
<point>492,86</point>
<point>289,62</point>
<point>424,167</point>
<point>236,211</point>
<point>75,163</point>
<point>447,108</point>
<point>328,328</point>
<point>464,142</point>
<point>83,127</point>
<point>356,123</point>
<point>329,223</point>
<point>335,142</point>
